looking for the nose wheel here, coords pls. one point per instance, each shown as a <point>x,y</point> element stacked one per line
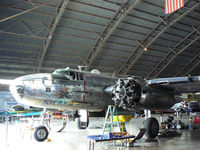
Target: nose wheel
<point>40,133</point>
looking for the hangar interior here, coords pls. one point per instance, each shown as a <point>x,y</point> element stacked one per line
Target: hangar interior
<point>108,35</point>
<point>117,37</point>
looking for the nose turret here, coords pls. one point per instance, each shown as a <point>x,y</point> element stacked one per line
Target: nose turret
<point>25,88</point>
<point>17,89</point>
<point>20,89</point>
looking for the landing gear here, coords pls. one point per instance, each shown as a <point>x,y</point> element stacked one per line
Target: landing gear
<point>56,122</point>
<point>83,120</point>
<point>152,127</point>
<point>40,133</point>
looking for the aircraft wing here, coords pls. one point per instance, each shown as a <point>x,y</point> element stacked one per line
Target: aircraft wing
<point>179,85</point>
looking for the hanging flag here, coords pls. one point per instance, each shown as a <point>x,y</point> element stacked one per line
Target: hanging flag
<point>173,5</point>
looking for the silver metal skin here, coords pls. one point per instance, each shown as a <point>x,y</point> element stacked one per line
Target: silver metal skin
<point>71,89</point>
<point>83,91</point>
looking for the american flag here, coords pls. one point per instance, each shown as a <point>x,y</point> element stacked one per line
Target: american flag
<point>173,5</point>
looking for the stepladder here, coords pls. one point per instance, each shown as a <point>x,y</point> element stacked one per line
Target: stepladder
<point>109,119</point>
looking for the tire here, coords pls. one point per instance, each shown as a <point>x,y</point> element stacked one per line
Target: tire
<point>152,127</point>
<point>40,133</point>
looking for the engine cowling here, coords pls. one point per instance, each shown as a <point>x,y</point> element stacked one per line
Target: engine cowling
<point>126,92</point>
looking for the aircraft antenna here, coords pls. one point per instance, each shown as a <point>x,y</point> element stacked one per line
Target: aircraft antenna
<point>81,67</point>
<point>114,73</point>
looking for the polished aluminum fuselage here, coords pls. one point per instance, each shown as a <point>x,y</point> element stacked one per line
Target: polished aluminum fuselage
<point>86,91</point>
<point>64,94</point>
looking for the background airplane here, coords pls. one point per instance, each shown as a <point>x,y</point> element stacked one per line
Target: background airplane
<point>187,106</point>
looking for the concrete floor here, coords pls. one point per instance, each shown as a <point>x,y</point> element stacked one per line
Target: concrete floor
<point>73,139</point>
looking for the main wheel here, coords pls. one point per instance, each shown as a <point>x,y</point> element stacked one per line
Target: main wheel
<point>40,133</point>
<point>152,127</point>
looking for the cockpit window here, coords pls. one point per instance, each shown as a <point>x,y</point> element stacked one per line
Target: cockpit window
<point>81,76</point>
<point>73,75</point>
<point>76,76</point>
<point>61,74</point>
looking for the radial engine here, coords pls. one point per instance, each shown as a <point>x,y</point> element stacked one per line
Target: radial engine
<point>126,92</point>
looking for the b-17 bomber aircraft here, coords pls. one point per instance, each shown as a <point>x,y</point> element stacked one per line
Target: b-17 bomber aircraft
<point>72,90</point>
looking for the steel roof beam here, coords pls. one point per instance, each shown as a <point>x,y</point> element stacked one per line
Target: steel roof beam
<point>154,39</point>
<point>173,52</point>
<point>12,24</point>
<point>159,7</point>
<point>191,62</point>
<point>73,50</point>
<point>93,32</point>
<point>21,13</point>
<point>123,37</point>
<point>37,37</point>
<point>100,24</point>
<point>51,32</point>
<point>101,40</point>
<point>136,49</point>
<point>192,68</point>
<point>33,35</point>
<point>24,35</point>
<point>177,55</point>
<point>26,27</point>
<point>113,10</point>
<point>101,8</point>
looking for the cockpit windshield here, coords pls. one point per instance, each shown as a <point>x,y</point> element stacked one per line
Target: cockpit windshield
<point>62,74</point>
<point>66,74</point>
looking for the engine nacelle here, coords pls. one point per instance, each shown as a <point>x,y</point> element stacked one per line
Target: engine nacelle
<point>127,92</point>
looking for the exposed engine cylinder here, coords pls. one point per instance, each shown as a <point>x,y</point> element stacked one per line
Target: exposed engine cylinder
<point>127,92</point>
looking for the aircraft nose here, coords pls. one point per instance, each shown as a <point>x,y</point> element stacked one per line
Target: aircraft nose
<point>17,89</point>
<point>20,89</point>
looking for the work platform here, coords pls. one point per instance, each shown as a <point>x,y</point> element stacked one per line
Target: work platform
<point>123,137</point>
